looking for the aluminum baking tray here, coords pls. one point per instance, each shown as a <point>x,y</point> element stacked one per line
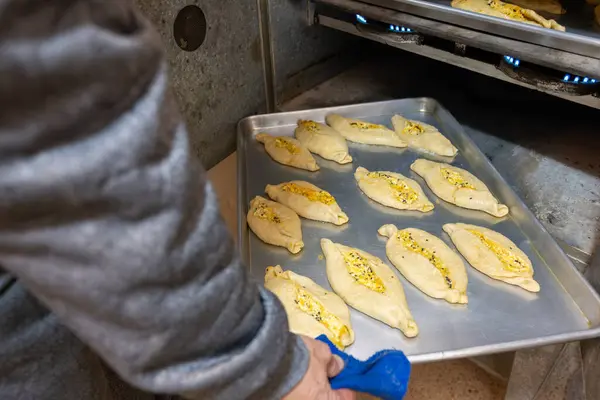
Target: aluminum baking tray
<point>581,37</point>
<point>498,318</point>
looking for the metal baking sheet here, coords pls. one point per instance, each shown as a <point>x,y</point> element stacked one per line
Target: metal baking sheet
<point>498,318</point>
<point>582,34</point>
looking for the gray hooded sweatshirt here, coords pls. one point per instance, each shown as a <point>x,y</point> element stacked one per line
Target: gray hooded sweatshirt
<point>118,279</point>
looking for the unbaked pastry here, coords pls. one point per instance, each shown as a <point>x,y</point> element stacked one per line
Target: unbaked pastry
<point>359,131</point>
<point>311,310</point>
<point>493,254</point>
<point>275,224</point>
<point>499,9</point>
<point>367,284</point>
<point>392,189</point>
<point>458,186</point>
<point>420,135</point>
<point>288,151</point>
<point>427,262</point>
<point>323,140</point>
<point>308,201</point>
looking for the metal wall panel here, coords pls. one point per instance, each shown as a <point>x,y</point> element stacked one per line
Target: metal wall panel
<point>305,55</point>
<point>222,81</point>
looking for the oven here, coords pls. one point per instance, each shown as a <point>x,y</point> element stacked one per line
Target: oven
<point>529,97</point>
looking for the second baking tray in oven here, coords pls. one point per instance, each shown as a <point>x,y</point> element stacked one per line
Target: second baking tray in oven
<point>582,34</point>
<point>499,317</point>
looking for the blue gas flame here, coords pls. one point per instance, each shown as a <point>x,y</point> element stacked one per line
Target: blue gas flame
<point>361,19</point>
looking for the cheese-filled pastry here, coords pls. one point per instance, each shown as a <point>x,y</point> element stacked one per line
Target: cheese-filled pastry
<point>392,190</point>
<point>275,224</point>
<point>459,187</point>
<point>359,131</point>
<point>500,9</point>
<point>308,201</point>
<point>288,151</point>
<point>368,285</point>
<point>311,310</point>
<point>427,262</point>
<point>422,136</point>
<point>493,254</point>
<point>323,140</point>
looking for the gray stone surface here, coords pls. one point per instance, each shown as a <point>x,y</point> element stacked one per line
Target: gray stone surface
<point>592,274</point>
<point>529,371</point>
<point>590,351</point>
<point>222,81</point>
<point>499,365</point>
<point>565,381</point>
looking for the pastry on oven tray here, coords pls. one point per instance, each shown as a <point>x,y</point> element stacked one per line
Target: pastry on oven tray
<point>368,285</point>
<point>392,190</point>
<point>493,254</point>
<point>323,140</point>
<point>288,151</point>
<point>427,262</point>
<point>499,9</point>
<point>308,201</point>
<point>364,132</point>
<point>311,309</point>
<point>459,187</point>
<point>549,6</point>
<point>275,224</point>
<point>420,135</point>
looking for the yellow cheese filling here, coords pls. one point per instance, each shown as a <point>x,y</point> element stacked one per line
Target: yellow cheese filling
<point>404,193</point>
<point>313,307</point>
<point>456,179</point>
<point>263,211</point>
<point>313,195</point>
<point>366,125</point>
<point>509,260</point>
<point>413,128</point>
<point>358,267</point>
<point>510,10</point>
<point>286,144</point>
<point>411,244</point>
<point>311,126</point>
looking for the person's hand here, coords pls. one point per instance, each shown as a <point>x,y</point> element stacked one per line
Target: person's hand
<point>322,366</point>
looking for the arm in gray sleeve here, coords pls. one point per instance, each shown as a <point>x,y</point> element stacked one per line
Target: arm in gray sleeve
<point>107,219</point>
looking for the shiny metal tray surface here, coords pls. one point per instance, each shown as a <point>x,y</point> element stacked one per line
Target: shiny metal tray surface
<point>498,318</point>
<point>581,37</point>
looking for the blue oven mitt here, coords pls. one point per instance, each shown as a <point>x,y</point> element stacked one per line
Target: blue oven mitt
<point>385,374</point>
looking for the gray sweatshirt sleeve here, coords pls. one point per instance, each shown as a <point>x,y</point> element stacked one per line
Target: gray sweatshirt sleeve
<point>108,220</point>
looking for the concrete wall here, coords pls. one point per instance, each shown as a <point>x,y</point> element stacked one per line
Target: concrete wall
<point>220,82</point>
